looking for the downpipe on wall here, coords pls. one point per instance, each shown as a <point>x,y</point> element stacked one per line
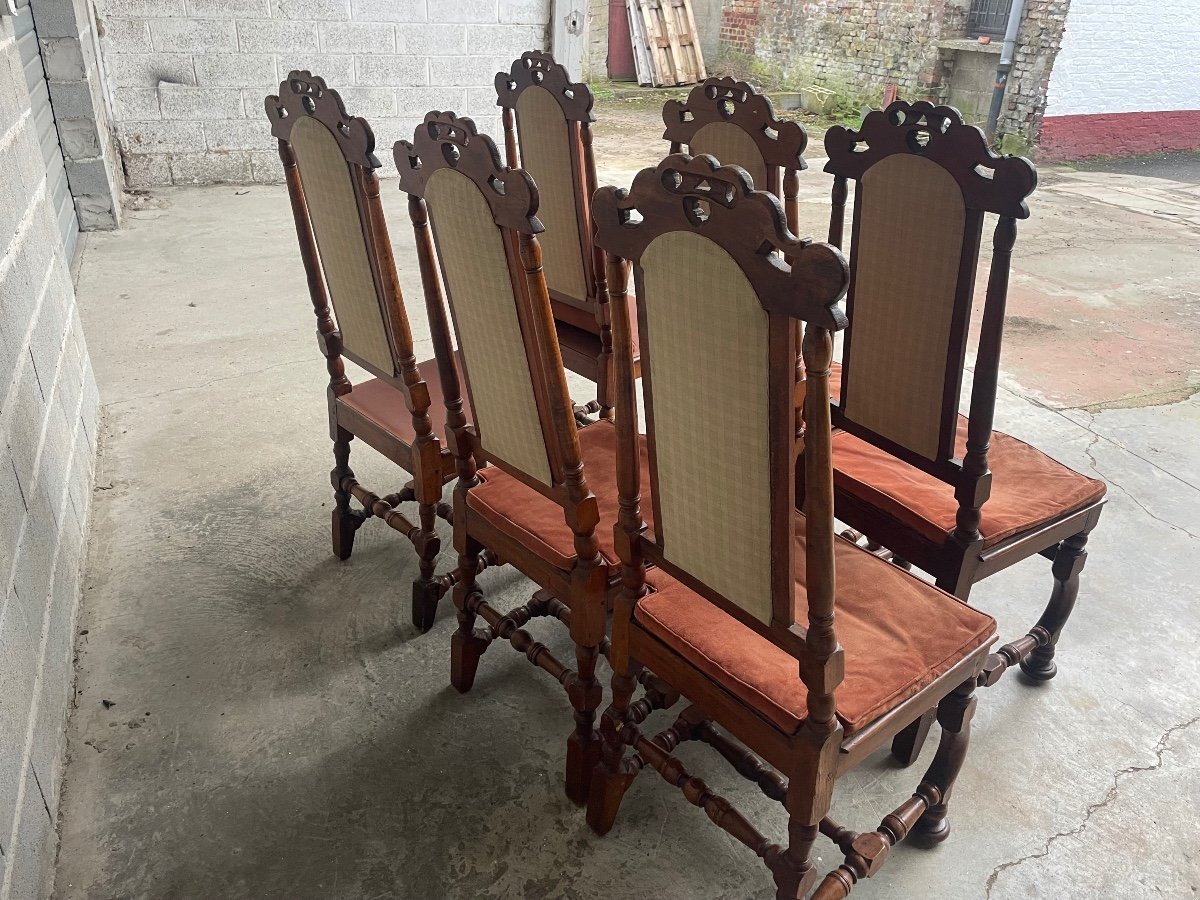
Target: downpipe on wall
<point>1007,52</point>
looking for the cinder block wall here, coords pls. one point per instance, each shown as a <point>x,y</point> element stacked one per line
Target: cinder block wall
<point>47,452</point>
<point>189,76</point>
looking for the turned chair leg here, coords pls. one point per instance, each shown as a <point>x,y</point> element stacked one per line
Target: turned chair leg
<point>954,714</point>
<point>1068,563</point>
<point>906,746</point>
<point>793,868</point>
<point>345,522</point>
<point>425,590</point>
<point>583,746</point>
<point>614,773</point>
<point>466,647</point>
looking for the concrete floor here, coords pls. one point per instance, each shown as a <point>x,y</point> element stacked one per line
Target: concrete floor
<point>255,719</point>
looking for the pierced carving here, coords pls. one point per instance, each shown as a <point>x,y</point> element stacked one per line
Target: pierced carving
<point>538,68</point>
<point>780,142</point>
<point>446,141</point>
<point>686,193</point>
<point>990,182</point>
<point>305,94</point>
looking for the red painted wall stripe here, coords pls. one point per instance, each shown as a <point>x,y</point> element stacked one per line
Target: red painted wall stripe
<point>1118,134</point>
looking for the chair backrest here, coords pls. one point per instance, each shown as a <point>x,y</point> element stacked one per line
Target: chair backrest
<point>330,161</point>
<point>735,123</point>
<point>483,218</point>
<point>716,299</point>
<point>549,118</point>
<point>923,182</point>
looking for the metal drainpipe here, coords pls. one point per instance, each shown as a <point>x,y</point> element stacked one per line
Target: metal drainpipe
<point>1006,63</point>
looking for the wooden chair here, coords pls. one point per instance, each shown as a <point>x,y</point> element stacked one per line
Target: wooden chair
<point>942,491</point>
<point>732,121</point>
<point>532,505</point>
<point>739,615</point>
<point>548,132</point>
<point>329,161</point>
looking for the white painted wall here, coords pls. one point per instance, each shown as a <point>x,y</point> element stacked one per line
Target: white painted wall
<point>1127,56</point>
<point>189,76</point>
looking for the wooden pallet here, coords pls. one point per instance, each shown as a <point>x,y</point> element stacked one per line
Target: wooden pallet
<point>665,42</point>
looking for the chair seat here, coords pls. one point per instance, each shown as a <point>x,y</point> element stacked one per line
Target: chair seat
<point>898,632</point>
<point>537,521</point>
<point>1029,488</point>
<point>383,404</point>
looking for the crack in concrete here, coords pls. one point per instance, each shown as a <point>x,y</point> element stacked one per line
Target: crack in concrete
<point>1159,750</point>
<point>199,387</point>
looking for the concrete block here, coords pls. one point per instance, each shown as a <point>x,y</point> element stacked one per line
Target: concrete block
<point>391,10</point>
<point>69,387</point>
<point>54,464</point>
<point>160,137</point>
<point>89,404</point>
<point>155,8</point>
<point>195,36</point>
<point>144,170</point>
<point>265,168</point>
<point>235,70</point>
<point>123,35</point>
<point>90,176</point>
<point>72,100</point>
<point>357,37</point>
<point>20,635</point>
<point>524,12</point>
<point>23,421</point>
<point>312,10</point>
<point>241,134</point>
<point>137,104</point>
<point>189,104</point>
<point>50,330</point>
<point>336,69</point>
<point>442,40</point>
<point>56,20</point>
<point>277,37</point>
<point>504,40</point>
<point>79,138</point>
<point>478,11</point>
<point>33,850</point>
<point>34,565</point>
<point>82,481</point>
<point>471,71</point>
<point>220,9</point>
<point>148,69</point>
<point>370,103</point>
<point>12,514</point>
<point>415,102</point>
<point>210,168</point>
<point>62,59</point>
<point>391,71</point>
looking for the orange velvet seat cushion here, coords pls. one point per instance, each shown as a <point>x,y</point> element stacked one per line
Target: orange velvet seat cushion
<point>898,632</point>
<point>383,404</point>
<point>1028,487</point>
<point>537,521</point>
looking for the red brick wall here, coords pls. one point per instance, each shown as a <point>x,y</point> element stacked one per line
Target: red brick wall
<point>739,25</point>
<point>1119,134</point>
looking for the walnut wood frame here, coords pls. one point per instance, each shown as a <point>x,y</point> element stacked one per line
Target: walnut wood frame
<point>780,141</point>
<point>579,597</point>
<point>990,184</point>
<point>586,353</point>
<point>304,95</point>
<point>797,769</point>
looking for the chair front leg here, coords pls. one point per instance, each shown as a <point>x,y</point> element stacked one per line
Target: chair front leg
<point>615,771</point>
<point>466,647</point>
<point>954,715</point>
<point>1068,563</point>
<point>426,591</point>
<point>345,522</point>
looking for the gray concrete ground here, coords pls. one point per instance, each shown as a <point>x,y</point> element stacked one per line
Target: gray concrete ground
<point>255,719</point>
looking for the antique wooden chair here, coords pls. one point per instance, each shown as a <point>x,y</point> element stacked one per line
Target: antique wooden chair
<point>548,132</point>
<point>940,490</point>
<point>732,121</point>
<point>739,615</point>
<point>329,161</point>
<point>532,505</point>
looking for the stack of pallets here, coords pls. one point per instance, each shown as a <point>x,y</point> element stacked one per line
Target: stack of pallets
<point>666,49</point>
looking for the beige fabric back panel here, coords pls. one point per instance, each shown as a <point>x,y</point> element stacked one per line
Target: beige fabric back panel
<point>732,147</point>
<point>471,249</point>
<point>333,210</point>
<point>546,155</point>
<point>906,258</point>
<point>706,340</point>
